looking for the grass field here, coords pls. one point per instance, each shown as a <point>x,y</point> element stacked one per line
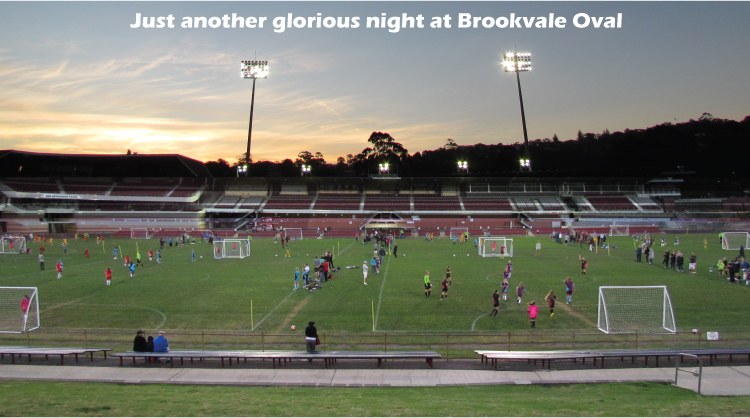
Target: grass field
<point>613,399</point>
<point>214,294</point>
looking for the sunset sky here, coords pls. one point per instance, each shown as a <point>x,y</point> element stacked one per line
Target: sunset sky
<point>75,78</point>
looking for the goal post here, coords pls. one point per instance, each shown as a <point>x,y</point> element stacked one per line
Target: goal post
<point>619,230</point>
<point>733,240</point>
<point>457,231</point>
<point>629,309</point>
<point>12,245</point>
<point>232,248</point>
<point>503,247</point>
<point>139,233</point>
<point>19,309</point>
<point>293,232</point>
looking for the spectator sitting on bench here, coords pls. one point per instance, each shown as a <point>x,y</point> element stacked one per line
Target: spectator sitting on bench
<point>150,345</point>
<point>139,343</point>
<point>161,345</point>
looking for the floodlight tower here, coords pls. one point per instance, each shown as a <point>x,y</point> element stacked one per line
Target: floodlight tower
<point>254,70</point>
<point>517,62</point>
<point>306,169</point>
<point>463,167</point>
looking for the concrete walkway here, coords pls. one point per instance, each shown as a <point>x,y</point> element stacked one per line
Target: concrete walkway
<point>716,380</point>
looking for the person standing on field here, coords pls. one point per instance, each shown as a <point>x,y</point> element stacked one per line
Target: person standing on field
<point>365,270</point>
<point>495,303</point>
<point>311,338</point>
<point>533,311</point>
<point>427,284</point>
<point>41,260</point>
<point>108,275</point>
<point>504,286</point>
<point>25,303</point>
<point>519,291</point>
<point>551,298</point>
<point>569,288</point>
<point>445,284</point>
<point>538,248</point>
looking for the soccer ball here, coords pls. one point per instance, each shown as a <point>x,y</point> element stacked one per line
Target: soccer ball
<point>467,255</point>
<point>695,331</point>
<point>454,255</point>
<point>293,327</point>
<point>201,256</point>
<point>276,255</point>
<point>403,255</point>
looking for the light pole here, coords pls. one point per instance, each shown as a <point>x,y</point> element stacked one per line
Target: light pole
<point>254,70</point>
<point>463,167</point>
<point>517,62</point>
<point>305,169</point>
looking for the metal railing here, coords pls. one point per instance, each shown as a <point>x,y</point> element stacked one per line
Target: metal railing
<point>699,373</point>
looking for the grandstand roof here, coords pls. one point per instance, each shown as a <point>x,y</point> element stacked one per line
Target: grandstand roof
<point>32,164</point>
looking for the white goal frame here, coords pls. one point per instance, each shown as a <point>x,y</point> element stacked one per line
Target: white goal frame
<point>619,230</point>
<point>643,309</point>
<point>458,231</point>
<point>19,245</point>
<point>485,247</point>
<point>12,319</point>
<point>735,245</point>
<point>134,233</point>
<point>292,232</point>
<point>241,251</point>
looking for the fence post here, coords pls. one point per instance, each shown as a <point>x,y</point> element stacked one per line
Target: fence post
<point>385,341</point>
<point>447,347</point>
<point>574,340</point>
<point>263,341</point>
<point>203,340</point>
<point>324,342</point>
<point>699,338</point>
<point>85,338</point>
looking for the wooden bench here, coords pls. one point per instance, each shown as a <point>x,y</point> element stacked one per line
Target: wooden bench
<point>329,357</point>
<point>14,351</point>
<point>549,356</point>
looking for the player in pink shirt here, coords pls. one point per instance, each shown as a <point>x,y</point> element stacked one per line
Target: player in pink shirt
<point>533,310</point>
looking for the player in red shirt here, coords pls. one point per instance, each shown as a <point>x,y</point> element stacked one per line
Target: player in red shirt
<point>25,302</point>
<point>86,252</point>
<point>41,250</point>
<point>127,261</point>
<point>108,274</point>
<point>150,255</point>
<point>59,267</point>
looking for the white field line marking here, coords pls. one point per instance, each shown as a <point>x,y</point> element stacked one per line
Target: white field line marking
<point>50,270</point>
<point>272,310</point>
<point>475,321</point>
<point>346,248</point>
<point>380,297</point>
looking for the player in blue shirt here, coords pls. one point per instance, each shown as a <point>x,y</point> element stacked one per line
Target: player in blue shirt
<point>296,278</point>
<point>132,269</point>
<point>569,288</point>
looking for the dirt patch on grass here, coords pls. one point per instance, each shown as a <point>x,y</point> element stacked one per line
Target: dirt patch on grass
<point>569,309</point>
<point>293,314</point>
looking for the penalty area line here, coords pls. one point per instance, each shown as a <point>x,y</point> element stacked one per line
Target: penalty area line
<point>274,309</point>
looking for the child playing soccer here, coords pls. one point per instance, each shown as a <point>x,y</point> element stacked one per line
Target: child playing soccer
<point>519,291</point>
<point>569,288</point>
<point>150,255</point>
<point>427,284</point>
<point>584,264</point>
<point>504,286</point>
<point>132,270</point>
<point>287,253</point>
<point>296,278</point>
<point>551,298</point>
<point>495,303</point>
<point>533,311</point>
<point>108,275</point>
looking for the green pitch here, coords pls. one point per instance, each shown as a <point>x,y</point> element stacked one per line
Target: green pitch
<point>210,294</point>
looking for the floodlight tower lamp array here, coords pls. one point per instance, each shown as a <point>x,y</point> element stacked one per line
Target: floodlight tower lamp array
<point>252,70</point>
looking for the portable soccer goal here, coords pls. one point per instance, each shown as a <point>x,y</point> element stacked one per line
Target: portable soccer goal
<point>293,232</point>
<point>619,230</point>
<point>503,247</point>
<point>139,233</point>
<point>629,309</point>
<point>12,245</point>
<point>232,248</point>
<point>733,240</point>
<point>457,231</point>
<point>19,309</point>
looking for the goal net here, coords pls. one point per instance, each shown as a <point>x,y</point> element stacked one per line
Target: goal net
<point>19,309</point>
<point>733,240</point>
<point>12,245</point>
<point>628,309</point>
<point>232,248</point>
<point>139,233</point>
<point>619,231</point>
<point>495,247</point>
<point>456,232</point>
<point>293,232</point>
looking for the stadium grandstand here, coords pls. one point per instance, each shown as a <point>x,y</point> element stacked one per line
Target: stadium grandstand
<point>110,194</point>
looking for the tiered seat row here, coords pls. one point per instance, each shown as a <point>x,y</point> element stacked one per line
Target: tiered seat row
<point>524,203</point>
<point>487,203</point>
<point>611,203</point>
<point>33,186</point>
<point>338,201</point>
<point>445,203</point>
<point>551,203</point>
<point>382,202</point>
<point>289,202</point>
